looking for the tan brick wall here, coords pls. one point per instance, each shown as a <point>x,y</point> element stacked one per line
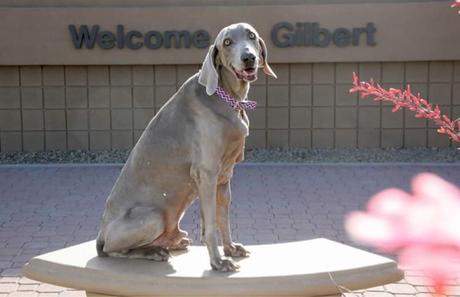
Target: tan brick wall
<point>107,107</point>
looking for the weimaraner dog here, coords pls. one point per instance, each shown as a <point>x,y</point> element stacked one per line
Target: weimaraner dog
<point>188,150</point>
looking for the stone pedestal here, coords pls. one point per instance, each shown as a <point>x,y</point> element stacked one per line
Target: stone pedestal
<point>294,269</point>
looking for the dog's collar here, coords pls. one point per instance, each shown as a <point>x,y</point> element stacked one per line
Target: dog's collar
<point>235,104</point>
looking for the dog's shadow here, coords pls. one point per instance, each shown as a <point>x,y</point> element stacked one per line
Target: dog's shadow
<point>131,266</point>
<point>144,267</point>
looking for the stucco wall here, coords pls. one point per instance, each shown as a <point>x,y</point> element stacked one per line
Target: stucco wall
<point>406,30</point>
<point>54,96</point>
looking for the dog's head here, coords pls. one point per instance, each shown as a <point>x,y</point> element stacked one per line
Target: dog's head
<point>241,50</point>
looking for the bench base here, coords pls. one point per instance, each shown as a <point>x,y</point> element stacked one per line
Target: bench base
<point>88,294</point>
<point>303,268</point>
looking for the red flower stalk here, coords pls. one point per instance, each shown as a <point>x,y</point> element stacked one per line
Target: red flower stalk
<point>405,99</point>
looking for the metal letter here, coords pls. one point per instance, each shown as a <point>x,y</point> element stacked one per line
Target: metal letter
<point>106,40</point>
<point>317,33</point>
<point>129,39</point>
<point>371,29</point>
<point>178,37</point>
<point>200,39</point>
<point>288,38</point>
<point>158,39</point>
<point>342,37</point>
<point>357,34</point>
<point>120,36</point>
<point>84,36</point>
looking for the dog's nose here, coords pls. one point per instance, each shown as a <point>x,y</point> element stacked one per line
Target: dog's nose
<point>248,59</point>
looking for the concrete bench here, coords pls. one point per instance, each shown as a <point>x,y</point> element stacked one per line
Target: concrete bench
<point>304,268</point>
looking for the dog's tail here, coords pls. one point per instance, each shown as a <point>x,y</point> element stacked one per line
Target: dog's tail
<point>100,246</point>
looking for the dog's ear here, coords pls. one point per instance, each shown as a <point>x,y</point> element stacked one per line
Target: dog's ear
<point>208,74</point>
<point>263,52</point>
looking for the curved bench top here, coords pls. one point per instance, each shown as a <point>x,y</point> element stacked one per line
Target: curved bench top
<point>302,268</point>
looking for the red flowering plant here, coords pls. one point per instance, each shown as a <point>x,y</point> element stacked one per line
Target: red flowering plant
<point>406,99</point>
<point>422,228</point>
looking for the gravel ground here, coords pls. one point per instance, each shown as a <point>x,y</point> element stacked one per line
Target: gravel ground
<point>413,155</point>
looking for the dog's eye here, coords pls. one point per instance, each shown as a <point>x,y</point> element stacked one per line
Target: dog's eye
<point>252,35</point>
<point>227,42</point>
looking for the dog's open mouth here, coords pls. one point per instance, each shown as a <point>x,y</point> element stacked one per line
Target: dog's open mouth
<point>247,74</point>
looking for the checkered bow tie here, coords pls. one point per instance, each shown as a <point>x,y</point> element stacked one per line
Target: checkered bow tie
<point>235,104</point>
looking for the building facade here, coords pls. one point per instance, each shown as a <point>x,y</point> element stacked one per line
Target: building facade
<point>91,74</point>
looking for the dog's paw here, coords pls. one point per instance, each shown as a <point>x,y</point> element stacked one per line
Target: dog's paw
<point>182,244</point>
<point>157,253</point>
<point>236,250</point>
<point>224,265</point>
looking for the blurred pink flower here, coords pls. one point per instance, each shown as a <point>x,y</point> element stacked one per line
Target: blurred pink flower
<point>422,228</point>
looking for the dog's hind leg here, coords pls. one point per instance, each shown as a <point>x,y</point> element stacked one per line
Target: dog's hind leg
<point>155,253</point>
<point>131,234</point>
<point>100,246</point>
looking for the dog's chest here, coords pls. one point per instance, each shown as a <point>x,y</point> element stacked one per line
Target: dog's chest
<point>240,124</point>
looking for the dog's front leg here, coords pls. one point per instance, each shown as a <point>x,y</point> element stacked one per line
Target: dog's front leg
<point>207,187</point>
<point>224,197</point>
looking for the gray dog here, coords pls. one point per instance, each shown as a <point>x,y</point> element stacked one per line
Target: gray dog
<point>188,150</point>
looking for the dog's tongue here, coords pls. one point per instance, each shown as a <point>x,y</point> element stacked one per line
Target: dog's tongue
<point>249,74</point>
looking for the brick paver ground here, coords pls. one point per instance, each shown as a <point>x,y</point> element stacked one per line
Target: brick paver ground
<point>47,208</point>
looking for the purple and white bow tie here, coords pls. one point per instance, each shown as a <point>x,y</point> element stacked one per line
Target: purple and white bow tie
<point>235,104</point>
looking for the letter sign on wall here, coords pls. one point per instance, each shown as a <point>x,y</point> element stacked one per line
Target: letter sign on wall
<point>300,32</point>
<point>285,34</point>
